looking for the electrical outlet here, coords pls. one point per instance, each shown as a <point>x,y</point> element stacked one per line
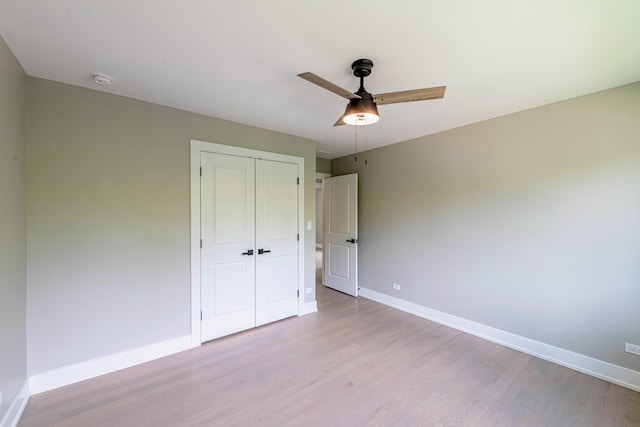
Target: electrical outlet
<point>396,286</point>
<point>308,290</point>
<point>632,348</point>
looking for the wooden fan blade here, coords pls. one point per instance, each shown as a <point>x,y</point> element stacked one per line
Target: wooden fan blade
<point>410,95</point>
<point>325,84</point>
<point>340,122</point>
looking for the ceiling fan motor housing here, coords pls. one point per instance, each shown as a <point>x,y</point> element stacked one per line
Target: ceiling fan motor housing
<point>362,67</point>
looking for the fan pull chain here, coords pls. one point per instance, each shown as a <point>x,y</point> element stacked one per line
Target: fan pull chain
<point>366,133</point>
<point>355,143</point>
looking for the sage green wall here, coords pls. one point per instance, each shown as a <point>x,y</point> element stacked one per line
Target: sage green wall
<point>13,232</point>
<point>108,218</point>
<point>529,223</point>
<point>323,165</point>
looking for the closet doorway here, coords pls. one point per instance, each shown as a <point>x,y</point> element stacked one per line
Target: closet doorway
<point>247,224</point>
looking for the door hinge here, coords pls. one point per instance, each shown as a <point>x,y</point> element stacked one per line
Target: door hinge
<point>201,314</point>
<point>298,237</point>
<point>200,171</point>
<point>200,243</point>
<point>298,293</point>
<point>298,181</point>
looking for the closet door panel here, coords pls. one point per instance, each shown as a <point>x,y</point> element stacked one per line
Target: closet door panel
<point>228,244</point>
<point>276,241</point>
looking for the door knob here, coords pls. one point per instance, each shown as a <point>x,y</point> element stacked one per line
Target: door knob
<point>263,251</point>
<point>351,240</point>
<point>249,252</point>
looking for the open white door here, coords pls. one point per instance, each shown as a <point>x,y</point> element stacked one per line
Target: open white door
<point>341,233</point>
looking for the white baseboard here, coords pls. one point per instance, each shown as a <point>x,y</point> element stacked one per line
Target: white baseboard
<point>103,365</point>
<point>600,369</point>
<point>17,406</point>
<point>308,308</point>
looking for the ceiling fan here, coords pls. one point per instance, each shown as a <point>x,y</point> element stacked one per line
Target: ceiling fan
<point>362,108</point>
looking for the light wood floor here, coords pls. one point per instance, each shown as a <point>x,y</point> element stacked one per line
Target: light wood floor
<point>354,363</point>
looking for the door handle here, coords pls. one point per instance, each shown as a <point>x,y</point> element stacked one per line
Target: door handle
<point>249,252</point>
<point>263,251</point>
<point>352,241</point>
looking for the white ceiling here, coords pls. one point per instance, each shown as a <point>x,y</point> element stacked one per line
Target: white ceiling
<point>238,59</point>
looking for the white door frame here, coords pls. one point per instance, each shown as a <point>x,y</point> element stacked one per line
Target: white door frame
<point>198,147</point>
<point>319,186</point>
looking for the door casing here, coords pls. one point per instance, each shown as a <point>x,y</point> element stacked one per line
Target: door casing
<point>198,147</point>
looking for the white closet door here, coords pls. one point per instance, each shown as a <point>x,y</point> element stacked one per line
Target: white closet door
<point>276,241</point>
<point>228,245</point>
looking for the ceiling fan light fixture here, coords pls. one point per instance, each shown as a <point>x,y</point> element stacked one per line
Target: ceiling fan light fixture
<point>361,112</point>
<point>363,106</point>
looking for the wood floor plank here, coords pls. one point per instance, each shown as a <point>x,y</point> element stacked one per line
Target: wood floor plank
<point>354,363</point>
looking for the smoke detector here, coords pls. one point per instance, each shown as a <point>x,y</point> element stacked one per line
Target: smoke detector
<point>102,79</point>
